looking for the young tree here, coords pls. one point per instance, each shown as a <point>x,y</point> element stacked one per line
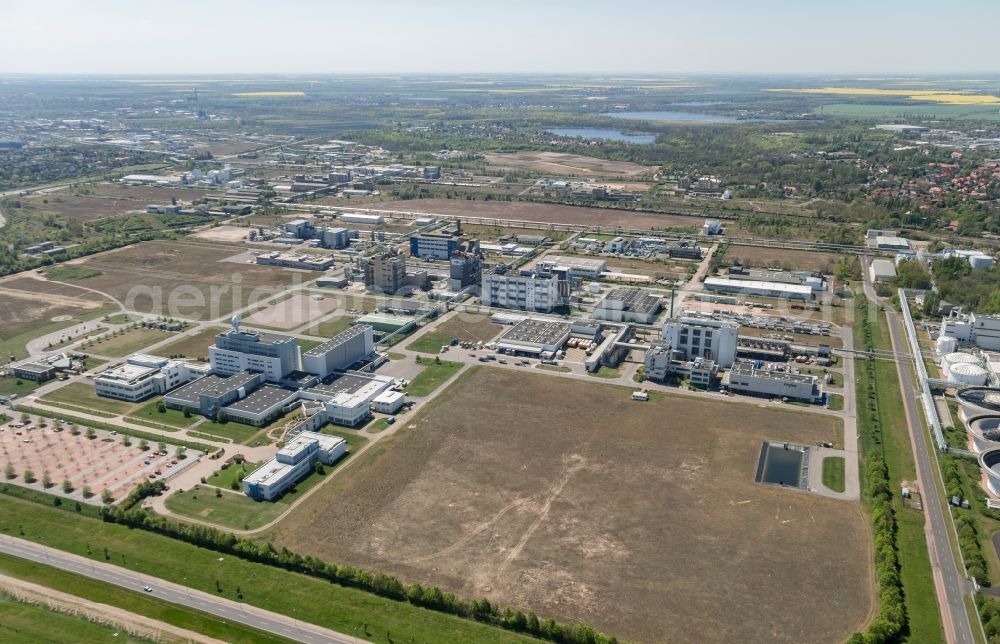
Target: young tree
<point>90,433</point>
<point>161,407</point>
<point>67,486</point>
<point>8,471</point>
<point>46,480</point>
<point>320,469</point>
<point>106,496</point>
<point>179,452</point>
<point>161,446</point>
<point>87,492</point>
<point>29,476</point>
<point>144,444</point>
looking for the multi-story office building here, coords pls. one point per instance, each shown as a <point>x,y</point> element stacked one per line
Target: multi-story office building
<point>269,353</point>
<point>525,290</point>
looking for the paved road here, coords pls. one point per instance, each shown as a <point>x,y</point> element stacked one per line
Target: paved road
<point>227,610</point>
<point>950,584</point>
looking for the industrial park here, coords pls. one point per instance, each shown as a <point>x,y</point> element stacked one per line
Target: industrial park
<point>454,342</point>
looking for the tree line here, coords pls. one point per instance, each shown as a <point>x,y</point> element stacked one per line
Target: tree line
<point>130,513</point>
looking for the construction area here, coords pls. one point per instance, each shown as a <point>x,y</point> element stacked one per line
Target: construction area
<point>555,505</point>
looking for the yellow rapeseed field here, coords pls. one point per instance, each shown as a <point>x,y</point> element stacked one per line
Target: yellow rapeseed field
<point>935,96</point>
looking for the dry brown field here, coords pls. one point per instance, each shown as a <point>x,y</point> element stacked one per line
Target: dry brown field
<point>763,257</point>
<point>544,212</point>
<point>192,346</point>
<point>568,499</point>
<point>566,164</point>
<point>183,279</point>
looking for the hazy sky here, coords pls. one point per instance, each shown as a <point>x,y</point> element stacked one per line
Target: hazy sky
<point>442,36</point>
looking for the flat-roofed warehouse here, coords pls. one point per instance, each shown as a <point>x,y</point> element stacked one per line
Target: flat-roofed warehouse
<point>590,267</point>
<point>260,406</point>
<point>764,289</point>
<point>340,351</point>
<point>628,305</point>
<point>882,270</point>
<point>535,336</point>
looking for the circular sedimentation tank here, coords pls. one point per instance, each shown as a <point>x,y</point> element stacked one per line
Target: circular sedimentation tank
<point>989,462</point>
<point>979,401</point>
<point>985,432</point>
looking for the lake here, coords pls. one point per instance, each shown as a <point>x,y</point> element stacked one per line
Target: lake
<point>597,133</point>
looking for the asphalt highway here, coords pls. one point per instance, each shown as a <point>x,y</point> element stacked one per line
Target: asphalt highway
<point>225,609</point>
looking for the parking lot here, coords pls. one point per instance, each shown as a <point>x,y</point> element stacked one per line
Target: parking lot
<point>103,462</point>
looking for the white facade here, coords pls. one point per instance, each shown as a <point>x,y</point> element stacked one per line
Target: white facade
<point>765,380</point>
<point>292,463</point>
<point>754,287</point>
<point>882,270</point>
<point>703,338</point>
<point>358,218</point>
<point>525,292</point>
<point>143,376</point>
<point>388,402</point>
<point>225,362</point>
<point>340,351</point>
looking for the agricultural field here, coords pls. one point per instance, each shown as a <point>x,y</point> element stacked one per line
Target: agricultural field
<point>183,279</point>
<point>638,529</point>
<point>545,212</point>
<point>565,164</point>
<point>466,327</point>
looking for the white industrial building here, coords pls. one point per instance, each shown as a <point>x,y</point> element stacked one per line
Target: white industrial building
<point>359,218</point>
<point>963,368</point>
<point>661,361</point>
<point>703,338</point>
<point>340,352</point>
<point>347,400</point>
<point>767,379</point>
<point>583,267</point>
<point>388,402</point>
<point>525,291</point>
<point>764,289</point>
<point>269,353</point>
<point>292,463</point>
<point>143,376</point>
<point>536,337</point>
<point>981,330</point>
<point>628,305</point>
<point>882,270</point>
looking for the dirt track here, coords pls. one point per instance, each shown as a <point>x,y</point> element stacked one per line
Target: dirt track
<point>137,625</point>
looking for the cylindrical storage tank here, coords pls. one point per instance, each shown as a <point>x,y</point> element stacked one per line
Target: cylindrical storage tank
<point>946,345</point>
<point>968,374</point>
<point>959,357</point>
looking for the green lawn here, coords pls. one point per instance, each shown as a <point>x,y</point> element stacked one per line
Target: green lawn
<point>98,591</point>
<point>915,568</point>
<point>24,622</point>
<point>191,346</point>
<point>833,473</point>
<point>170,417</point>
<point>330,327</point>
<point>377,425</point>
<point>312,600</point>
<point>305,344</point>
<point>224,477</point>
<point>236,432</point>
<point>10,385</point>
<point>836,402</point>
<point>355,441</point>
<point>605,372</point>
<point>121,318</point>
<point>396,356</point>
<point>553,367</point>
<point>231,509</point>
<point>67,272</point>
<point>81,396</point>
<point>432,377</point>
<point>131,341</point>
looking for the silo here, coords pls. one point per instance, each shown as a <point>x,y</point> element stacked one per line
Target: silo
<point>968,374</point>
<point>946,345</point>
